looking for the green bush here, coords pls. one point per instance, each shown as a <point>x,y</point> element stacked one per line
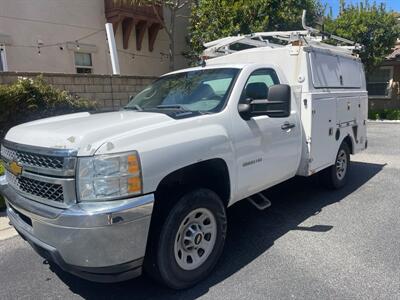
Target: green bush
<point>31,99</point>
<point>393,114</point>
<point>2,203</point>
<point>384,114</point>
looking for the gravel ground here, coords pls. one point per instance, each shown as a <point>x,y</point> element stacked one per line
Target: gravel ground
<point>311,244</point>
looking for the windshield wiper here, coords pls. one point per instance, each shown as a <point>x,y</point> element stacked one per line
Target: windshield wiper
<point>172,106</point>
<point>134,107</point>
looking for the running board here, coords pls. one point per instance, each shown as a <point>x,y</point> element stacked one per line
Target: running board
<point>259,201</point>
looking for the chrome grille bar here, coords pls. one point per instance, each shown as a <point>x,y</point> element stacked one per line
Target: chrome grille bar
<point>48,190</point>
<point>58,162</point>
<point>48,175</point>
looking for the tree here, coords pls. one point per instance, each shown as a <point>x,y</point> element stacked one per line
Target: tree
<point>213,19</point>
<point>371,26</point>
<point>174,7</point>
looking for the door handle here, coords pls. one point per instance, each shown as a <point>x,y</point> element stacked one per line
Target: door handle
<point>287,126</point>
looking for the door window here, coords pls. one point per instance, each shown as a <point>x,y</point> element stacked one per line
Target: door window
<point>258,84</point>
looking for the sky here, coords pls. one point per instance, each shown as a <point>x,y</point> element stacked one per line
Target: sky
<point>390,4</point>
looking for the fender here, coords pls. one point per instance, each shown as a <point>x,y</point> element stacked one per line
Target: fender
<point>179,144</point>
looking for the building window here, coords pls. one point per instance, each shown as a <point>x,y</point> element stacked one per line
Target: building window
<point>1,62</point>
<point>379,83</point>
<point>83,63</point>
<point>3,59</point>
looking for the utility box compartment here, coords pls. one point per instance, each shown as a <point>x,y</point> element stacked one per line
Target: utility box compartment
<point>323,125</point>
<point>335,107</point>
<point>347,109</point>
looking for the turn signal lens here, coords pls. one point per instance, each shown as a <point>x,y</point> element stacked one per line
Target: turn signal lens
<point>134,185</point>
<point>133,164</point>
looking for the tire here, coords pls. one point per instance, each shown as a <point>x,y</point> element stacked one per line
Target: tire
<point>335,177</point>
<point>195,227</point>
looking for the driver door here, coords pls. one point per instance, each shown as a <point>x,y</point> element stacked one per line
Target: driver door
<point>267,151</point>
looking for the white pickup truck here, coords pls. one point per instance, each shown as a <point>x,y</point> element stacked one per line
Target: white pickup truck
<point>105,195</point>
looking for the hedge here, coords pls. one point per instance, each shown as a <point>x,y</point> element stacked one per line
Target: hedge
<point>30,99</point>
<point>384,114</point>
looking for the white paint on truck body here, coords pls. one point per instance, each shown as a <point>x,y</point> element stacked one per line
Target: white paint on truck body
<point>258,153</point>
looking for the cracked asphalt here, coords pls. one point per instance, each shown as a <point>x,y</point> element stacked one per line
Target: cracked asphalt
<point>311,244</point>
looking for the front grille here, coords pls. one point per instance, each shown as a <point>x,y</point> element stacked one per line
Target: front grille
<point>32,159</point>
<point>46,174</point>
<point>43,190</point>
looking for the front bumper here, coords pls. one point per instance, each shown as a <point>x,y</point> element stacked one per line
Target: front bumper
<point>102,241</point>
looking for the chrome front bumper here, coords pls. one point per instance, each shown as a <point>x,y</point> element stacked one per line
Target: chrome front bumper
<point>102,241</point>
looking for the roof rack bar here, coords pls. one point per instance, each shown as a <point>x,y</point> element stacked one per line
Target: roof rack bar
<point>260,39</point>
<point>222,40</point>
<point>327,34</point>
<point>280,33</point>
<point>222,45</point>
<point>304,24</point>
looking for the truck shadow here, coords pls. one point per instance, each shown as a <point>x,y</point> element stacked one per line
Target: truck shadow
<point>251,233</point>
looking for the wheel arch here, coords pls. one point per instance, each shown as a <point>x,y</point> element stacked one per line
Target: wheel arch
<point>212,174</point>
<point>349,140</point>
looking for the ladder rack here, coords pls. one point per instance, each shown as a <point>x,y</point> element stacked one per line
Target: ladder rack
<point>222,46</point>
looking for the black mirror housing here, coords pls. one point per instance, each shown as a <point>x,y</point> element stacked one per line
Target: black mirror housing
<point>244,109</point>
<point>276,106</point>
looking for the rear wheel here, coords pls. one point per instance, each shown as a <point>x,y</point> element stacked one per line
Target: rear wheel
<point>335,176</point>
<point>190,241</point>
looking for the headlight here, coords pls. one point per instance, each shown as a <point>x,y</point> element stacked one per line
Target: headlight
<point>105,177</point>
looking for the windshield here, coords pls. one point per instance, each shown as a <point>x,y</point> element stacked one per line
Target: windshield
<point>198,91</point>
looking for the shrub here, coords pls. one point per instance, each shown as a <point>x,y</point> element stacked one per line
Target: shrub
<point>384,114</point>
<point>393,114</point>
<point>30,99</point>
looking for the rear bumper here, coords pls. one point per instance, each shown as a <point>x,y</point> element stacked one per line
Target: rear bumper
<point>103,241</point>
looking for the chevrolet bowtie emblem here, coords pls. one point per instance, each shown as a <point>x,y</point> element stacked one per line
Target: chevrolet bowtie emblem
<point>15,168</point>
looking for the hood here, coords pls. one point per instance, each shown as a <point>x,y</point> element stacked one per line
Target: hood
<point>84,132</point>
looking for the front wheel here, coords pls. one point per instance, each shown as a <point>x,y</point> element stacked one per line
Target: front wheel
<point>191,240</point>
<point>335,176</point>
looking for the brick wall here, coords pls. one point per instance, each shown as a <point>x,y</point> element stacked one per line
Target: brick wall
<point>109,91</point>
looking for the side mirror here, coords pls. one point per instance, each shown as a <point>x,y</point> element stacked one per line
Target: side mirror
<point>276,106</point>
<point>244,109</point>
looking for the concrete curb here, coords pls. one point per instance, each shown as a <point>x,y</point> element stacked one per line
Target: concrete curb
<point>6,230</point>
<point>384,121</point>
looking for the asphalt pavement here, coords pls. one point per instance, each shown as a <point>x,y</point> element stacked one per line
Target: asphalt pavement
<point>311,244</point>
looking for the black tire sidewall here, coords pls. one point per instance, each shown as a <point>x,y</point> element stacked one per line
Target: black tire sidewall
<point>336,182</point>
<point>170,272</point>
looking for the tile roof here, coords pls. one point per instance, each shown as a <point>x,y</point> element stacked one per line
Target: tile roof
<point>394,54</point>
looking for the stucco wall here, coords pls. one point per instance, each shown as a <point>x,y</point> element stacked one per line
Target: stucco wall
<point>109,92</point>
<point>58,21</point>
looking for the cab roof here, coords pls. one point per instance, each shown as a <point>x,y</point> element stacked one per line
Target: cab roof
<point>211,66</point>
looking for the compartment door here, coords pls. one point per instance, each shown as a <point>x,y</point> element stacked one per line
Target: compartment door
<point>347,109</point>
<point>323,127</point>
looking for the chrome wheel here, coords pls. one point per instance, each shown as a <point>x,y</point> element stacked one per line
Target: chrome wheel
<point>195,239</point>
<point>341,164</point>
